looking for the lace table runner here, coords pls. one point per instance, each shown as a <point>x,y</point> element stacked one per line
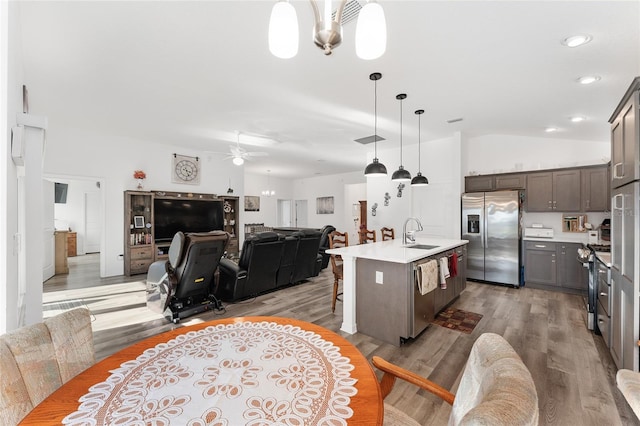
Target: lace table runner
<point>247,373</point>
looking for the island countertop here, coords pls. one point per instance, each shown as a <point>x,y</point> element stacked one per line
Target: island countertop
<point>395,251</point>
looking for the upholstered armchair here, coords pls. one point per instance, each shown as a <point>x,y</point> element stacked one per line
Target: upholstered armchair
<point>256,270</point>
<point>629,384</point>
<point>496,388</point>
<point>36,360</point>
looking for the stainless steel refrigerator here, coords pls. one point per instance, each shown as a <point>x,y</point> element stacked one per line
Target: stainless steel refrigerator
<point>491,223</point>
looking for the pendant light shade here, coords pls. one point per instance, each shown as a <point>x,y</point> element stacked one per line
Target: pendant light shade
<point>401,175</point>
<point>371,32</point>
<point>283,30</point>
<point>419,180</point>
<point>375,168</point>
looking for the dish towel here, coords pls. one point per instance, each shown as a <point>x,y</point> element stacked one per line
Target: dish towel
<point>427,276</point>
<point>444,272</point>
<point>453,265</point>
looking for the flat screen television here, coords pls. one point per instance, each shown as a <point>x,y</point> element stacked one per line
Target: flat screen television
<point>173,215</point>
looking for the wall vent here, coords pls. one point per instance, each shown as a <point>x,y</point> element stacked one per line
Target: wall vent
<point>369,139</point>
<point>454,120</point>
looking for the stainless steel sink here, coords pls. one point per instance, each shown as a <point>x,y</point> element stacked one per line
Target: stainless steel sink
<point>421,246</point>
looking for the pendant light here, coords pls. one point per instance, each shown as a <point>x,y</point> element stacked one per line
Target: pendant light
<point>419,180</point>
<point>401,175</point>
<point>375,168</point>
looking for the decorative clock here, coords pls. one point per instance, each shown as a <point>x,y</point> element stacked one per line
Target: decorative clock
<point>185,169</point>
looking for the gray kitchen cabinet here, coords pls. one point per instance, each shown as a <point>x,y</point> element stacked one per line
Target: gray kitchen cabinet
<point>596,189</point>
<point>540,263</point>
<point>557,191</point>
<point>571,274</point>
<point>510,181</point>
<point>539,197</point>
<point>625,138</point>
<point>479,183</point>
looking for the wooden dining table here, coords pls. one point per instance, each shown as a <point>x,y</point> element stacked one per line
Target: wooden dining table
<point>233,371</point>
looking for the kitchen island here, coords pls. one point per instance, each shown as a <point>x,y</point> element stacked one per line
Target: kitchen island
<point>382,278</point>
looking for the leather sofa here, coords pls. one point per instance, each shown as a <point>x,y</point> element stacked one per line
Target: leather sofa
<point>268,261</point>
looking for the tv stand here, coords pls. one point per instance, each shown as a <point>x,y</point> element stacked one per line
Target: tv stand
<point>140,248</point>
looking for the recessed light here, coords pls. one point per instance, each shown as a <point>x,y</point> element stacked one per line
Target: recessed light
<point>588,79</point>
<point>551,129</point>
<point>576,40</point>
<point>577,119</point>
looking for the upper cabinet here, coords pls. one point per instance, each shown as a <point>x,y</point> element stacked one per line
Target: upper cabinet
<point>625,138</point>
<point>596,189</point>
<point>510,181</point>
<point>479,183</point>
<point>557,191</point>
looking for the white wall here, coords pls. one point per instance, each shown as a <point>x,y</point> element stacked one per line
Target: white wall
<point>329,186</point>
<point>254,185</point>
<point>113,160</point>
<point>437,205</point>
<point>11,80</point>
<point>505,153</point>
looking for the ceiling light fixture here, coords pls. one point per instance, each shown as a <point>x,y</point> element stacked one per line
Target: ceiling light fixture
<point>419,180</point>
<point>551,129</point>
<point>268,192</point>
<point>401,175</point>
<point>577,119</point>
<point>238,161</point>
<point>577,40</point>
<point>371,29</point>
<point>588,79</point>
<point>375,168</point>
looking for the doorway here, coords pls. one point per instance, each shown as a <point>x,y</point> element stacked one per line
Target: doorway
<point>300,214</point>
<point>284,214</point>
<point>81,212</point>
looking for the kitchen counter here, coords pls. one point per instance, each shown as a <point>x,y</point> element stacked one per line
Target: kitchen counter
<point>605,257</point>
<point>581,239</point>
<point>388,252</point>
<point>394,251</point>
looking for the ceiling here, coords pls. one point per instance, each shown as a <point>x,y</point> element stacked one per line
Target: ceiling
<point>194,73</point>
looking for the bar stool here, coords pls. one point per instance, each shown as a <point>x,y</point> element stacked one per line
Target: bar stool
<point>387,234</point>
<point>367,236</point>
<point>337,240</point>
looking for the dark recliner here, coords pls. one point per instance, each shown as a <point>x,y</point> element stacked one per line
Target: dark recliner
<point>256,270</point>
<point>184,284</point>
<point>287,261</point>
<point>324,244</point>
<point>308,259</point>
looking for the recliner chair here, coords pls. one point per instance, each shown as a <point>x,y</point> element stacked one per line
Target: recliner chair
<point>256,270</point>
<point>324,244</point>
<point>184,284</point>
<point>287,260</point>
<point>308,259</point>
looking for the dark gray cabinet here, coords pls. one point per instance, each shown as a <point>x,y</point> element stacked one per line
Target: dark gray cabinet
<point>596,189</point>
<point>571,274</point>
<point>625,138</point>
<point>510,181</point>
<point>540,263</point>
<point>557,191</point>
<point>479,183</point>
<point>552,265</point>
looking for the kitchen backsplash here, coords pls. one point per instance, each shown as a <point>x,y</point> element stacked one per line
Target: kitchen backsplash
<point>554,221</point>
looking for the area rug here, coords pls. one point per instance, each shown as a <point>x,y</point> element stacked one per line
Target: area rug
<point>458,320</point>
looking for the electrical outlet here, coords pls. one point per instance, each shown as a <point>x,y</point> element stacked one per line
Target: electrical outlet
<point>379,277</point>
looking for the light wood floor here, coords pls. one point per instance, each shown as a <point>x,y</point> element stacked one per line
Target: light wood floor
<point>572,369</point>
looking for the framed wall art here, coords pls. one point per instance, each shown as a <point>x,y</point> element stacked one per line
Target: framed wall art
<point>251,203</point>
<point>324,205</point>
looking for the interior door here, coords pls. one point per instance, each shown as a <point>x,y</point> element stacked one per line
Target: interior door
<point>48,229</point>
<point>300,214</point>
<point>92,222</point>
<point>284,213</point>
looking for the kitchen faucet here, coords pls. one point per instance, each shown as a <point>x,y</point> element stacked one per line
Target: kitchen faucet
<point>408,236</point>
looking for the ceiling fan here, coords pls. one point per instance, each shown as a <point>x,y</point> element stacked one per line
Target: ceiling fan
<point>237,154</point>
